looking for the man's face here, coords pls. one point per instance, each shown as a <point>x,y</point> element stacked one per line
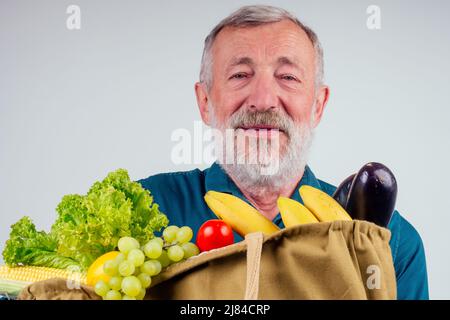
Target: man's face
<point>269,67</point>
<point>264,73</point>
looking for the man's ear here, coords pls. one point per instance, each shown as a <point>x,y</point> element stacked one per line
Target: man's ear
<point>202,101</point>
<point>322,96</point>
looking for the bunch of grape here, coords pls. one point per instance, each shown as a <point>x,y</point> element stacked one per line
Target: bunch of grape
<point>132,270</point>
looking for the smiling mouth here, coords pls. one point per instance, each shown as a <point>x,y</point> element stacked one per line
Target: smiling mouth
<point>261,131</point>
<point>261,127</point>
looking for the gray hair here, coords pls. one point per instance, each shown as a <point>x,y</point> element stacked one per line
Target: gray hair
<point>252,16</point>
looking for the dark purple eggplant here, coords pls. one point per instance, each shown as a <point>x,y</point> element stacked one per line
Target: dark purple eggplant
<point>373,194</point>
<point>341,193</point>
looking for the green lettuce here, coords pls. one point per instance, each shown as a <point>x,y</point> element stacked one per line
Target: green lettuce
<point>90,225</point>
<point>27,246</point>
<point>145,216</point>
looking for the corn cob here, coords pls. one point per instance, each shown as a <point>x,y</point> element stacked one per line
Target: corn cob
<point>32,274</point>
<point>13,279</point>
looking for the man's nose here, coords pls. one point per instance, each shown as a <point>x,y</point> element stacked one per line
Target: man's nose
<point>264,94</point>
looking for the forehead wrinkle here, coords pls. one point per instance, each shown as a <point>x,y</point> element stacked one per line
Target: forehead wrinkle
<point>243,60</point>
<point>286,51</point>
<point>292,62</point>
<point>280,61</point>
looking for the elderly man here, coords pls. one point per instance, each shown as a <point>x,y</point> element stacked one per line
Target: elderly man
<point>262,72</point>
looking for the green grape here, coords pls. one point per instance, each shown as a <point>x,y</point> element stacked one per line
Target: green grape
<point>159,240</point>
<point>141,294</point>
<point>136,257</point>
<point>164,259</point>
<point>170,233</point>
<point>110,267</point>
<point>131,286</point>
<point>126,268</point>
<point>184,235</point>
<point>175,253</point>
<point>113,295</point>
<point>158,267</point>
<point>115,283</point>
<point>121,257</point>
<point>153,249</point>
<point>101,288</point>
<point>145,280</point>
<point>137,245</point>
<point>126,244</point>
<point>125,297</point>
<point>151,267</point>
<point>190,250</point>
<point>137,271</point>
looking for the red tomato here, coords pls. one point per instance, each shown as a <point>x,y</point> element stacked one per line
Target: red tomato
<point>214,234</point>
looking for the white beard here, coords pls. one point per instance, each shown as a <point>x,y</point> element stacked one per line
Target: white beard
<point>276,167</point>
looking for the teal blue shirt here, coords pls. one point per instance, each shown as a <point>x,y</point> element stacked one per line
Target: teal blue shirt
<point>180,197</point>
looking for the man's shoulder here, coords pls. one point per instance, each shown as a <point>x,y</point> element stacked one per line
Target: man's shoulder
<point>180,196</point>
<point>173,180</point>
<point>409,258</point>
<point>406,239</point>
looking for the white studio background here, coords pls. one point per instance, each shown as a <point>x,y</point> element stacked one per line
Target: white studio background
<point>76,104</point>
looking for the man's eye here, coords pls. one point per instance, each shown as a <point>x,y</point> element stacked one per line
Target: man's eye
<point>288,77</point>
<point>238,76</point>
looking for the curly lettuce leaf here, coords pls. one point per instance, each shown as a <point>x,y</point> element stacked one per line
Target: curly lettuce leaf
<point>146,217</point>
<point>27,246</point>
<point>88,226</point>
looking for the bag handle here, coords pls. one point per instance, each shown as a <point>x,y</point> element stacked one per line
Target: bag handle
<point>254,247</point>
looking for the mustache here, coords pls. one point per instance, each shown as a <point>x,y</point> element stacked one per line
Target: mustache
<point>246,118</point>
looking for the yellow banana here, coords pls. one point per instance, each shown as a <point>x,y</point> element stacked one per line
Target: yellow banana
<point>241,216</point>
<point>324,207</point>
<point>294,213</point>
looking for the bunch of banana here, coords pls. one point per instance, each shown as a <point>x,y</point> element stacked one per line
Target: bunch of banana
<point>318,207</point>
<point>241,216</point>
<point>244,219</point>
